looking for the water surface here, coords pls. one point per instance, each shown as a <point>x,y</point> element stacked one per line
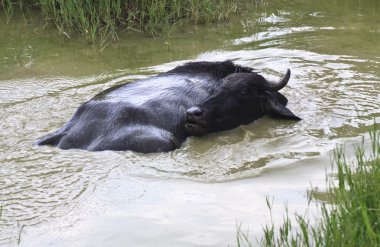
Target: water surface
<point>196,195</point>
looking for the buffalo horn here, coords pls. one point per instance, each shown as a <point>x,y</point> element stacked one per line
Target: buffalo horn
<point>276,86</point>
<point>260,82</point>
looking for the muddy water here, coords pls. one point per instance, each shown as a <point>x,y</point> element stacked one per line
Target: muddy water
<point>196,195</point>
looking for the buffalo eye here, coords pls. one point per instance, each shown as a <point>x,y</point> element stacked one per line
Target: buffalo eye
<point>243,93</point>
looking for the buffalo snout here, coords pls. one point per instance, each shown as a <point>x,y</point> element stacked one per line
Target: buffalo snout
<point>195,121</point>
<point>194,112</point>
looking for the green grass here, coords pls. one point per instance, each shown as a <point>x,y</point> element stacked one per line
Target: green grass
<point>101,20</point>
<point>352,218</point>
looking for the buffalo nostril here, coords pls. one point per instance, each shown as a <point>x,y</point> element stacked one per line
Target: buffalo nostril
<point>198,113</point>
<point>195,111</point>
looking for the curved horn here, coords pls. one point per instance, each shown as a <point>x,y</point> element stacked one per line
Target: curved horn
<point>271,86</point>
<point>258,81</point>
<point>276,86</point>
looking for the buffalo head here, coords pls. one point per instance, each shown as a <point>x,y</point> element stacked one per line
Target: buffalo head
<point>240,99</point>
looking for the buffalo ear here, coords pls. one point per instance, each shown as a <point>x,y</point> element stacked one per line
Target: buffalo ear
<point>278,110</point>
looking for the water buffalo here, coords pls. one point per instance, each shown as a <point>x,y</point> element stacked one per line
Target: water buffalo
<point>156,114</point>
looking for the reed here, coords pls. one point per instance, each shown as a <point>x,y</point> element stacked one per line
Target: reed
<point>351,219</point>
<point>103,19</point>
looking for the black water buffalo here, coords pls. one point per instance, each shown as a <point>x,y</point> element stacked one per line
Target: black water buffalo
<point>158,113</point>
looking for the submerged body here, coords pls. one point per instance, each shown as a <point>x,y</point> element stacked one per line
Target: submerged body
<point>157,114</point>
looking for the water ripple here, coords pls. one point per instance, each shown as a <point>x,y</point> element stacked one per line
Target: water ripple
<point>333,94</point>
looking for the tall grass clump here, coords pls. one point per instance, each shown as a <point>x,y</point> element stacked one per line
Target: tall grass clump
<point>101,19</point>
<point>350,219</point>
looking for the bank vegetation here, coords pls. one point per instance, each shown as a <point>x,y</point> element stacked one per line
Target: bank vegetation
<point>349,212</point>
<point>100,20</point>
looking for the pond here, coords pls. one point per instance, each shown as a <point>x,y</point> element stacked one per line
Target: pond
<point>201,193</point>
